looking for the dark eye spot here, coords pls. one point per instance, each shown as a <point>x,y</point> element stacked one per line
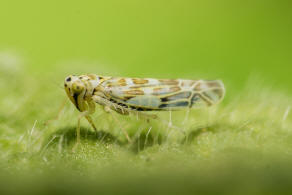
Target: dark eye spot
<point>68,79</point>
<point>65,85</point>
<point>80,77</point>
<point>78,87</point>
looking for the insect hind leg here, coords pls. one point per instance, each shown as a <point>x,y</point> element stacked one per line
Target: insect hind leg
<point>145,116</point>
<point>109,110</point>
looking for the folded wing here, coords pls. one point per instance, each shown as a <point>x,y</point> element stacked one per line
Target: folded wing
<point>163,94</point>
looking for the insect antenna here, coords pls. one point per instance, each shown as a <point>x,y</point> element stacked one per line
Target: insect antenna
<point>58,84</point>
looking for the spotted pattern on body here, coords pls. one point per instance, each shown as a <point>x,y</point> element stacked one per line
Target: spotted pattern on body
<point>143,94</point>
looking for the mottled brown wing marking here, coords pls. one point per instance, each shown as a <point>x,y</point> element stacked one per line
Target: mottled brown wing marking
<point>213,84</point>
<point>197,86</point>
<point>174,89</point>
<point>197,97</point>
<point>117,84</point>
<point>219,92</point>
<point>193,82</point>
<point>168,82</point>
<point>141,86</point>
<point>159,91</point>
<point>182,95</point>
<point>213,95</point>
<point>92,76</point>
<point>135,92</point>
<point>187,83</point>
<point>140,81</point>
<point>165,90</point>
<point>110,85</point>
<point>122,82</point>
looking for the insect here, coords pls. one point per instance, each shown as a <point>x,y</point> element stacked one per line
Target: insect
<point>137,95</point>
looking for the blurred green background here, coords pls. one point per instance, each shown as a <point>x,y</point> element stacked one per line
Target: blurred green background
<point>230,40</point>
<point>243,145</point>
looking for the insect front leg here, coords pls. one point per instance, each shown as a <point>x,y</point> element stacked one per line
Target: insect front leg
<point>86,114</point>
<point>91,110</point>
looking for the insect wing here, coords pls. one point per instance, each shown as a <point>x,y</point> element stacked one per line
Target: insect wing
<point>163,94</point>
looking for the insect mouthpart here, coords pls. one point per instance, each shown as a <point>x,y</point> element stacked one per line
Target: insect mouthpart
<point>77,87</point>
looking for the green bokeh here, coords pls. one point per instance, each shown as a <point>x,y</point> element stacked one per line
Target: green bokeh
<point>230,40</point>
<point>241,146</point>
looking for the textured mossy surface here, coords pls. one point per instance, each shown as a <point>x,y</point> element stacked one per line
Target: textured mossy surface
<point>241,146</point>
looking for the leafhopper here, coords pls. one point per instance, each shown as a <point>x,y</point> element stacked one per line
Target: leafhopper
<point>138,95</point>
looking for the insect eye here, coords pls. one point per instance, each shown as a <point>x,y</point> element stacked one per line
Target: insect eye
<point>68,79</point>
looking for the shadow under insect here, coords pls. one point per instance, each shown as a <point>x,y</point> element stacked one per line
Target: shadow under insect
<point>67,137</point>
<point>215,128</point>
<point>195,133</point>
<point>145,140</point>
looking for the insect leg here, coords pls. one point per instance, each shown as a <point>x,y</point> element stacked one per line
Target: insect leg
<point>186,116</point>
<point>89,119</point>
<point>58,115</point>
<point>109,110</point>
<point>142,115</point>
<point>109,107</point>
<point>91,109</point>
<point>170,119</point>
<point>78,130</point>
